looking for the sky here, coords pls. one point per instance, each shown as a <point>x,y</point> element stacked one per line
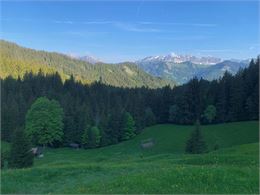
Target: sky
<point>116,31</point>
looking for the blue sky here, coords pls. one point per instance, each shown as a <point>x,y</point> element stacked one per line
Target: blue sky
<point>117,31</point>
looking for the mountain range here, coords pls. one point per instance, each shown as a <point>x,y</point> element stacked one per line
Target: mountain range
<point>175,58</point>
<point>153,71</point>
<point>17,60</point>
<point>182,68</point>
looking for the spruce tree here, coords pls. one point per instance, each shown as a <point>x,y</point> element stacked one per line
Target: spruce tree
<point>114,129</point>
<point>149,116</point>
<point>93,137</point>
<point>85,138</point>
<point>173,113</point>
<point>210,113</point>
<point>196,144</point>
<point>21,155</point>
<point>128,126</point>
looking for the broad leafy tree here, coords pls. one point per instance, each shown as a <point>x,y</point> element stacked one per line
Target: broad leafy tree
<point>44,122</point>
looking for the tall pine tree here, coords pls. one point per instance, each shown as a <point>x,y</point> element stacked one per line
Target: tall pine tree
<point>21,155</point>
<point>196,143</point>
<point>128,126</point>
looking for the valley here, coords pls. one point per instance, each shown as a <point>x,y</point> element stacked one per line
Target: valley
<point>129,97</point>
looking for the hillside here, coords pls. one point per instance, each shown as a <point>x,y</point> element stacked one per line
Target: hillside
<point>125,168</point>
<point>16,60</point>
<point>172,139</point>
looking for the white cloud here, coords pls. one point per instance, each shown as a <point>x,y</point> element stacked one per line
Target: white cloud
<point>186,38</point>
<point>251,47</point>
<point>179,24</point>
<point>135,28</point>
<point>63,22</point>
<point>254,47</point>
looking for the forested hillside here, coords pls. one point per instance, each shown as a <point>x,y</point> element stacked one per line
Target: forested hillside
<point>16,61</point>
<point>108,109</point>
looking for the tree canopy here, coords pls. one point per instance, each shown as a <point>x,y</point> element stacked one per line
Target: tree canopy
<point>44,122</point>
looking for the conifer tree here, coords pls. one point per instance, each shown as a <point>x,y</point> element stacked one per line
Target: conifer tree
<point>128,126</point>
<point>150,118</point>
<point>210,113</point>
<point>196,144</point>
<point>94,137</point>
<point>173,113</point>
<point>21,155</point>
<point>85,138</point>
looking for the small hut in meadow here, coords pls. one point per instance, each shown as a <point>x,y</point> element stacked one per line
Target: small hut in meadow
<point>37,151</point>
<point>148,143</point>
<point>74,145</point>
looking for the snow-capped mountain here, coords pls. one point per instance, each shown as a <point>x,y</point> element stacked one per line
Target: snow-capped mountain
<point>175,58</point>
<point>182,68</point>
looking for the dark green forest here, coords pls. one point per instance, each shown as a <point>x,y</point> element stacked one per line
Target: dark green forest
<point>111,111</point>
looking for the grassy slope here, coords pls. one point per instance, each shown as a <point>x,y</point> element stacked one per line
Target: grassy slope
<point>125,168</point>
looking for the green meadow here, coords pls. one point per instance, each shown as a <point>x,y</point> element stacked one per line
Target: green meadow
<point>230,166</point>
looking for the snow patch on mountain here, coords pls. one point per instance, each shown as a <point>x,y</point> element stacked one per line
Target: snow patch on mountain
<point>175,58</point>
<point>182,68</point>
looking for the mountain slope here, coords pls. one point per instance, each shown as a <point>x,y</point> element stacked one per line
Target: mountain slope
<point>216,71</point>
<point>16,60</point>
<point>182,68</point>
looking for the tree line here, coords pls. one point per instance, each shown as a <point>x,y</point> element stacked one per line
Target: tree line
<point>97,114</point>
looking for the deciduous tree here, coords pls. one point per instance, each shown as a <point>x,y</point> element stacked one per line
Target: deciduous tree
<point>44,121</point>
